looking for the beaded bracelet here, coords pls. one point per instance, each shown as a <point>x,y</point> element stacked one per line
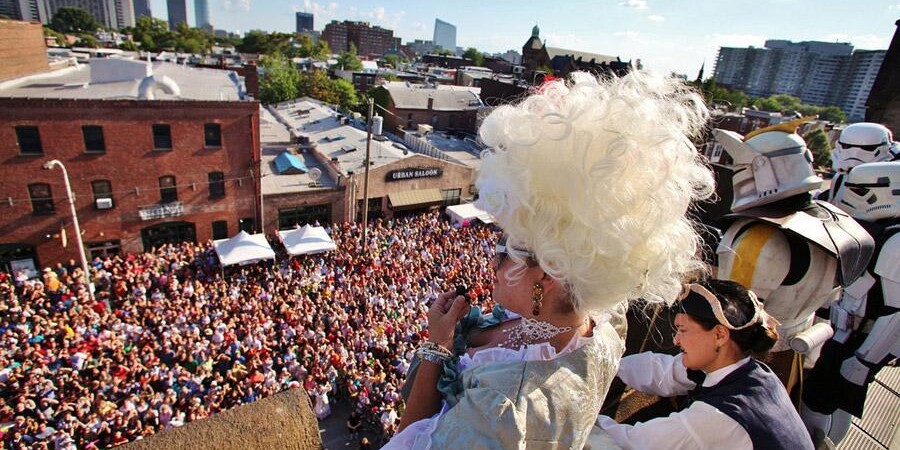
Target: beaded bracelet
<point>435,347</point>
<point>433,353</point>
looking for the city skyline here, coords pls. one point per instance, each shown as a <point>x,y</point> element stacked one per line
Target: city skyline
<point>667,36</point>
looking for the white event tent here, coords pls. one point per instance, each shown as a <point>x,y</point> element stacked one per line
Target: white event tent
<point>465,213</point>
<point>243,248</point>
<point>306,240</point>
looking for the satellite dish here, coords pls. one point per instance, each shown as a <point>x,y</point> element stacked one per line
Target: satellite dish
<point>315,173</point>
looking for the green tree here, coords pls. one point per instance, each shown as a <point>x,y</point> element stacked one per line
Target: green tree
<point>344,93</point>
<point>381,96</point>
<point>833,114</point>
<point>474,55</point>
<point>87,40</point>
<point>152,34</point>
<point>391,77</point>
<point>392,60</point>
<point>59,37</point>
<point>73,20</point>
<point>280,80</point>
<point>128,46</point>
<point>349,60</point>
<point>817,142</point>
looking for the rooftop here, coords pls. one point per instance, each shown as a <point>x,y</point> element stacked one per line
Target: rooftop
<point>116,79</point>
<point>322,126</point>
<point>411,96</point>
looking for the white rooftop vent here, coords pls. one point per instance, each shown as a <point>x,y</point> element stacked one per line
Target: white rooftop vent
<point>149,85</point>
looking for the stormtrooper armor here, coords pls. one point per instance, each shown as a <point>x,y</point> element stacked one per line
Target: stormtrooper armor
<point>796,253</point>
<point>866,319</point>
<point>862,143</point>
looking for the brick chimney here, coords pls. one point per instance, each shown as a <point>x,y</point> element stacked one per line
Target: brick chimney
<point>251,79</point>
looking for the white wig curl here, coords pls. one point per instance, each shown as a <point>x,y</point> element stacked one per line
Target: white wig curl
<point>595,176</point>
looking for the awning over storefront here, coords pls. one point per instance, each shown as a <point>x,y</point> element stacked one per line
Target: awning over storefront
<point>416,198</point>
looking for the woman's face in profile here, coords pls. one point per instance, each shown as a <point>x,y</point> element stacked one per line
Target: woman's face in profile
<point>698,345</point>
<point>514,295</point>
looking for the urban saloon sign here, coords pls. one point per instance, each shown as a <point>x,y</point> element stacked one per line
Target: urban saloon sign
<point>412,173</point>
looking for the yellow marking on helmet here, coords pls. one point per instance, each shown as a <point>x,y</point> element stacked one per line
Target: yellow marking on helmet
<point>748,250</point>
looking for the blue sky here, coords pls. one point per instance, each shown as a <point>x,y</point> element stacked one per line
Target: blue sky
<point>667,35</point>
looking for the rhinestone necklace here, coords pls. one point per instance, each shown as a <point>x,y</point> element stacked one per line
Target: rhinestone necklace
<point>531,331</point>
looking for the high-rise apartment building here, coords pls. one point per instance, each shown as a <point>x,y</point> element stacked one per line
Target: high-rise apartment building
<point>177,12</point>
<point>27,10</point>
<point>369,40</point>
<point>109,13</point>
<point>304,22</point>
<point>201,14</point>
<point>819,73</point>
<point>141,9</point>
<point>444,35</point>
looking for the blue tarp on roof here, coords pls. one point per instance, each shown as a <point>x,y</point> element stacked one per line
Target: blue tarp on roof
<point>288,163</point>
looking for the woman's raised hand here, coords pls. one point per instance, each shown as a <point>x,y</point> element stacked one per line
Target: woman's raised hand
<point>443,315</point>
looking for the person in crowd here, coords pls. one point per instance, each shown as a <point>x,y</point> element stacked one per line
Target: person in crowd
<point>736,401</point>
<point>170,340</point>
<point>590,180</point>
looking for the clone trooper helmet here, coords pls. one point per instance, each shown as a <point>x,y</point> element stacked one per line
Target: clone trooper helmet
<point>770,166</point>
<point>871,191</point>
<point>862,143</point>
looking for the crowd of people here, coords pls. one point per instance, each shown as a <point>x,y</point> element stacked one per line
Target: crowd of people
<point>170,337</point>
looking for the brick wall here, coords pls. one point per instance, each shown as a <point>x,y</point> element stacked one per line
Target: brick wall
<point>130,163</point>
<point>22,49</point>
<point>454,176</point>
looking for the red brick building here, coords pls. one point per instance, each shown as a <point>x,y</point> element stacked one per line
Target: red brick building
<point>443,107</point>
<point>170,156</point>
<point>369,41</point>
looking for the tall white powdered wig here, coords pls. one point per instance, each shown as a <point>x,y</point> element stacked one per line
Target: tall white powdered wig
<point>595,176</point>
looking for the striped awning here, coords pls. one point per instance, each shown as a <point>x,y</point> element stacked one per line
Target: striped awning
<point>419,197</point>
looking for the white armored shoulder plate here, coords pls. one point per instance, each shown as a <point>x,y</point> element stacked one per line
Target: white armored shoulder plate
<point>888,268</point>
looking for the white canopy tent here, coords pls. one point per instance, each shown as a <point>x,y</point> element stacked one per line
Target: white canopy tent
<point>306,240</point>
<point>465,213</point>
<point>243,248</point>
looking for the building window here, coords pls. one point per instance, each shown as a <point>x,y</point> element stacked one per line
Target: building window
<point>374,212</point>
<point>103,198</point>
<point>451,197</point>
<point>247,224</point>
<point>212,135</point>
<point>162,137</point>
<point>29,141</point>
<point>41,198</point>
<point>302,215</point>
<point>220,229</point>
<point>168,192</point>
<point>216,184</point>
<point>93,139</point>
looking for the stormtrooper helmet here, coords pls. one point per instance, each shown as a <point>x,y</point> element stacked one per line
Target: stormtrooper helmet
<point>862,143</point>
<point>770,166</point>
<point>871,191</point>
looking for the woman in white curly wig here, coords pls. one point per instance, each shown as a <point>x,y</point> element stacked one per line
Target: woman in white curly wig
<point>590,180</point>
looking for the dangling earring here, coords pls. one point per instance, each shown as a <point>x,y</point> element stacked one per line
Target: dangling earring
<point>537,294</point>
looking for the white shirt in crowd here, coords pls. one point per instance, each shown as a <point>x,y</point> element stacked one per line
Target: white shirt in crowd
<point>700,426</point>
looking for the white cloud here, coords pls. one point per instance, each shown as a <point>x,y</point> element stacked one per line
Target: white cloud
<point>656,18</point>
<point>631,35</point>
<point>323,12</point>
<point>894,7</point>
<point>636,4</point>
<point>236,5</point>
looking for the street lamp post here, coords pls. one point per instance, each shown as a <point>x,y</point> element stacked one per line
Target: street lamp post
<point>84,265</point>
<point>365,221</point>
